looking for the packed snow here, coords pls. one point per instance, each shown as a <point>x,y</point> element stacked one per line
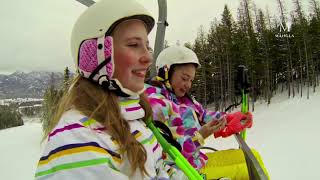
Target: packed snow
<point>20,149</point>
<point>284,133</point>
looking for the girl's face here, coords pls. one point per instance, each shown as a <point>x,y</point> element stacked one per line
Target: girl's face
<point>131,54</point>
<point>181,79</point>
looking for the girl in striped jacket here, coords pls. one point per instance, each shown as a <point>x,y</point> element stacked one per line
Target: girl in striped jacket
<point>99,130</point>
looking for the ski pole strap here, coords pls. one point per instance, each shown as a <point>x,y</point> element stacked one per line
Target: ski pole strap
<point>175,155</point>
<point>166,134</point>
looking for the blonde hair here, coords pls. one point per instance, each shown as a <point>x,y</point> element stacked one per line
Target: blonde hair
<point>102,105</point>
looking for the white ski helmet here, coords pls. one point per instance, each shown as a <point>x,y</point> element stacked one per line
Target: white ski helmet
<point>91,41</point>
<point>170,56</point>
<point>176,55</point>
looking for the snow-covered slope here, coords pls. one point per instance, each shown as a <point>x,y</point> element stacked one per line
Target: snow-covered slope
<point>285,133</point>
<point>20,150</point>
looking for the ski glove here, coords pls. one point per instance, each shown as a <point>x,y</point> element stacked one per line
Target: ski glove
<point>236,122</point>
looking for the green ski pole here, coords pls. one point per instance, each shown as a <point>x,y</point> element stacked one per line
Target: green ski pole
<point>244,109</point>
<point>244,85</point>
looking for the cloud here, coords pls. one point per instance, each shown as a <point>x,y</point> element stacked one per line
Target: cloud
<point>35,34</point>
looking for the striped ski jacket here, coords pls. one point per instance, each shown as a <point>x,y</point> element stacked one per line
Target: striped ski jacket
<point>79,148</point>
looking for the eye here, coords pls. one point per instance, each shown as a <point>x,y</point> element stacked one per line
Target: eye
<point>184,79</point>
<point>133,44</point>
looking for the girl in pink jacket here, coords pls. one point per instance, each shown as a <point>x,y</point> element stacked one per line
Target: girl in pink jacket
<point>189,122</point>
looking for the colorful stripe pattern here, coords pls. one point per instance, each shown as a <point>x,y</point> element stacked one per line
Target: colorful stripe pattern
<point>74,165</point>
<point>131,109</point>
<point>77,146</point>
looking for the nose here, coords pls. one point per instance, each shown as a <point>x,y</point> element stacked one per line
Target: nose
<point>146,57</point>
<point>188,85</point>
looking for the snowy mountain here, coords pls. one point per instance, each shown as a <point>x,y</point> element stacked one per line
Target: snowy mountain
<point>32,84</point>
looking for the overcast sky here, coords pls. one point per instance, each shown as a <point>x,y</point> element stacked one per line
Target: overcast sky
<point>35,34</point>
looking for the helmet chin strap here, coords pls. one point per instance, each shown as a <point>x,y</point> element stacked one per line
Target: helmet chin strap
<point>163,76</point>
<point>126,90</point>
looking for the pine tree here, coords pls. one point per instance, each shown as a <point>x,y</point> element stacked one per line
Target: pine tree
<point>274,62</point>
<point>51,98</point>
<point>314,42</point>
<point>302,41</point>
<point>66,79</point>
<point>10,117</point>
<point>214,76</point>
<point>286,47</point>
<point>200,49</point>
<point>227,34</point>
<point>264,55</point>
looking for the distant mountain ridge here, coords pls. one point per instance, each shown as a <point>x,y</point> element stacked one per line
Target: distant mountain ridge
<point>32,85</point>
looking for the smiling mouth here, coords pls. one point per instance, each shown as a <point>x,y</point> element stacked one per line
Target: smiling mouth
<point>140,73</point>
